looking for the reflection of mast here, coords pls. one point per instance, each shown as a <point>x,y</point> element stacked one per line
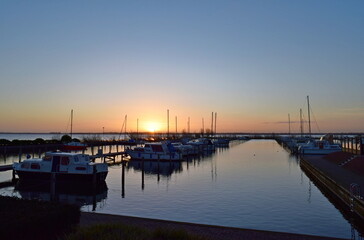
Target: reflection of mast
<point>123,179</point>
<point>142,175</point>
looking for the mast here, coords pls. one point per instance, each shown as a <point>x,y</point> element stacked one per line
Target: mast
<point>167,123</point>
<point>203,126</point>
<point>215,121</point>
<point>188,125</point>
<point>176,124</point>
<point>301,124</point>
<point>212,123</point>
<point>309,118</point>
<point>126,119</point>
<point>289,124</point>
<point>137,128</point>
<point>71,121</point>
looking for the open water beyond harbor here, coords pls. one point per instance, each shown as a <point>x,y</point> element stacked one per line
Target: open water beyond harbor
<point>250,184</point>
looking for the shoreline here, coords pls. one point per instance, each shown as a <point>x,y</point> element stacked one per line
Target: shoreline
<point>211,232</point>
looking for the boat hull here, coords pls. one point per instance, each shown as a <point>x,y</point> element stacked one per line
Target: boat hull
<point>61,177</point>
<point>134,155</point>
<point>318,151</point>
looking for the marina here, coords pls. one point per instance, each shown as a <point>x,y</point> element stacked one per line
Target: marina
<point>255,184</point>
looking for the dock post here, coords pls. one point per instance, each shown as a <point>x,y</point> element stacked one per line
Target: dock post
<point>20,153</point>
<point>53,185</point>
<point>94,179</point>
<point>123,179</point>
<point>13,177</point>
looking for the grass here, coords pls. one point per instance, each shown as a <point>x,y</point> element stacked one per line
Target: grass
<point>127,232</point>
<point>33,219</point>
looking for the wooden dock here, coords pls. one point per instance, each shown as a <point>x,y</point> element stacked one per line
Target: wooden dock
<point>4,168</point>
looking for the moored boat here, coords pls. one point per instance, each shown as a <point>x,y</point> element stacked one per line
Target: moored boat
<point>62,167</point>
<point>74,146</point>
<point>155,151</point>
<point>319,147</point>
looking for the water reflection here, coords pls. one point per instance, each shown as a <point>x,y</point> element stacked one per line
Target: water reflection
<point>165,169</point>
<point>80,195</point>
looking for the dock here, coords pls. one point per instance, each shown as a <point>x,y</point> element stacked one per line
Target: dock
<point>342,174</point>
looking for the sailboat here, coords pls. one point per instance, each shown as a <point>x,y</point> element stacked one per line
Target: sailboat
<point>73,145</point>
<point>317,147</point>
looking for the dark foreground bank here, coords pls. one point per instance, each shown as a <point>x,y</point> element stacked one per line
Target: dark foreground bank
<point>207,231</point>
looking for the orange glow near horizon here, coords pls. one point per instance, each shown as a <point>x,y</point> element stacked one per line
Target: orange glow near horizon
<point>152,126</point>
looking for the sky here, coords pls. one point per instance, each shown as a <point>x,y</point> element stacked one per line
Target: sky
<point>252,62</point>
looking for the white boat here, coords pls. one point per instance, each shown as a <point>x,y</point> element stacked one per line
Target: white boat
<point>155,151</point>
<point>319,147</point>
<point>185,149</point>
<point>64,166</point>
<point>199,142</point>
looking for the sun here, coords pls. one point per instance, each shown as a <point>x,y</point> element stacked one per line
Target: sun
<point>152,126</point>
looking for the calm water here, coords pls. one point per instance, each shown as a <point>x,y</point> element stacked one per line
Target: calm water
<point>254,184</point>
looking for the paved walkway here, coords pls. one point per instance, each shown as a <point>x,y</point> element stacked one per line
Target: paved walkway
<point>351,172</point>
<point>207,231</point>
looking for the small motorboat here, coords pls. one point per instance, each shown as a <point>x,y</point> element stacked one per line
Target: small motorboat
<point>319,147</point>
<point>155,151</point>
<point>61,167</point>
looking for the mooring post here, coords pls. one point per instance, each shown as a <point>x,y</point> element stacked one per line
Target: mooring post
<point>13,178</point>
<point>123,179</point>
<point>53,185</point>
<point>94,179</point>
<point>20,153</point>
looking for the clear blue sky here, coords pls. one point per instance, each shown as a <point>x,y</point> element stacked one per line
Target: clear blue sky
<point>252,62</point>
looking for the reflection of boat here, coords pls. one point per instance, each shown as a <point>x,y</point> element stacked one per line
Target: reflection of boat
<point>154,151</point>
<point>154,168</point>
<point>79,195</point>
<point>63,166</point>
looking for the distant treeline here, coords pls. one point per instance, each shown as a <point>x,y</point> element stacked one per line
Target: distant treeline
<point>37,141</point>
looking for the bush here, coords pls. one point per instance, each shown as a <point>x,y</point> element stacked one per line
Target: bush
<point>66,138</point>
<point>39,141</point>
<point>33,219</point>
<point>4,142</point>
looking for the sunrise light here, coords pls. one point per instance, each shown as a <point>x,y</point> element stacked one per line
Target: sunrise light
<point>152,126</point>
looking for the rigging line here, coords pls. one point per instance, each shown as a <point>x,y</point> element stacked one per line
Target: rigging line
<point>121,130</point>
<point>315,120</point>
<point>68,124</point>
